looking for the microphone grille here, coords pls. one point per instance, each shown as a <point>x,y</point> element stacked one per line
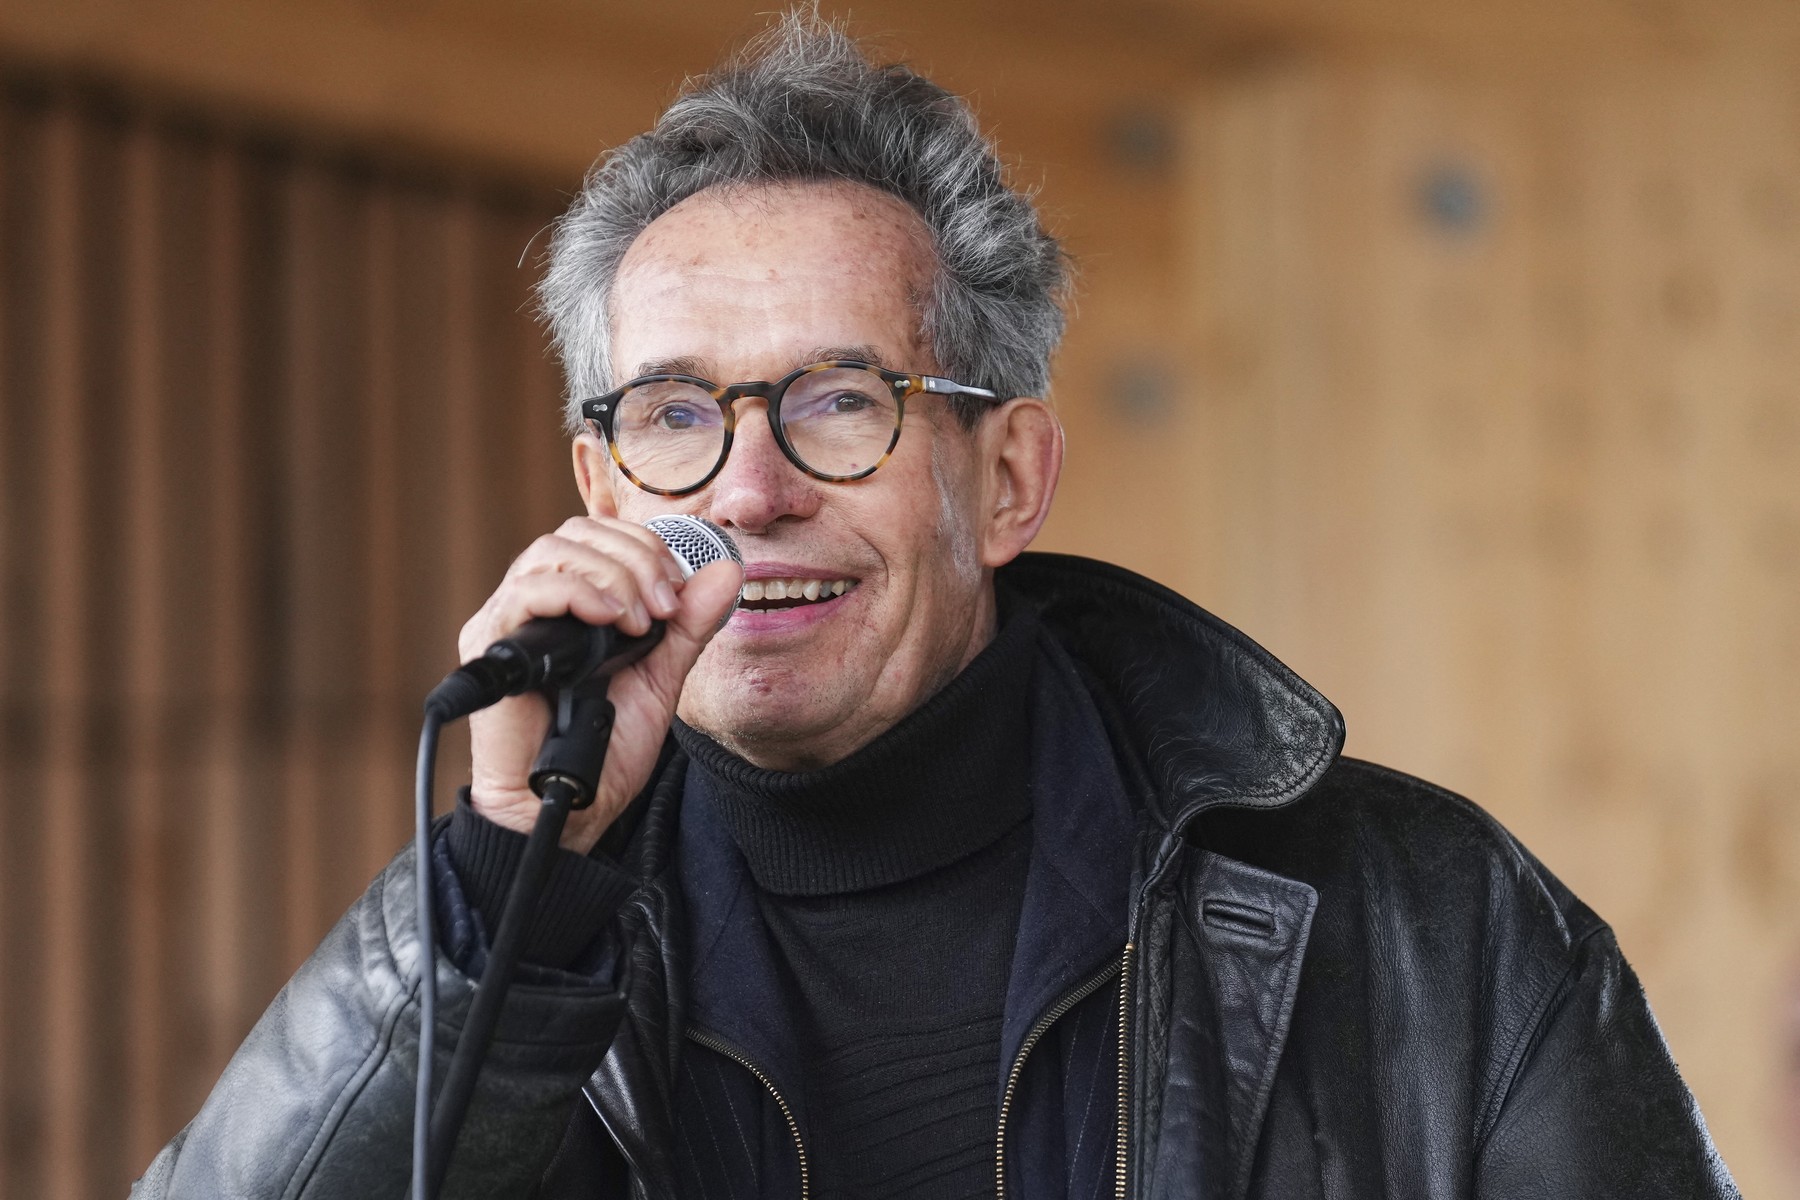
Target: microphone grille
<point>695,541</point>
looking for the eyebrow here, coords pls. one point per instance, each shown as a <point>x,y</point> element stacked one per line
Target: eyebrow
<point>685,364</point>
<point>868,354</point>
<point>688,364</point>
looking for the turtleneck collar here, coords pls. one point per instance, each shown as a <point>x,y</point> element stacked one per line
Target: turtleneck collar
<point>945,782</point>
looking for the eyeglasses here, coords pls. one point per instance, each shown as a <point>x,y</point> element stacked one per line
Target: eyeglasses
<point>837,420</point>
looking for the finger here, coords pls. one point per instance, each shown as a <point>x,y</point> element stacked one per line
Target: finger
<point>638,585</point>
<point>550,595</point>
<point>648,558</point>
<point>582,546</point>
<point>708,596</point>
<point>603,531</point>
<point>704,602</point>
<point>652,541</point>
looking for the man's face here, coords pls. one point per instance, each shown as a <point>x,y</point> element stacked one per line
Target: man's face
<point>748,285</point>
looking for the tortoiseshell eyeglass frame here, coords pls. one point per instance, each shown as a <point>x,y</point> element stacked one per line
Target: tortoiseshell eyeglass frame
<point>600,410</point>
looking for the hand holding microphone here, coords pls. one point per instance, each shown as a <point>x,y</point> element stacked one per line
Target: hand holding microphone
<point>599,595</point>
<point>622,579</point>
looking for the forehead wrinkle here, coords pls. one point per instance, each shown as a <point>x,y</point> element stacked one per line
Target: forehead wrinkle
<point>874,231</point>
<point>756,213</point>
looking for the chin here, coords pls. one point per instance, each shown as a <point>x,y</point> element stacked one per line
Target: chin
<point>752,710</point>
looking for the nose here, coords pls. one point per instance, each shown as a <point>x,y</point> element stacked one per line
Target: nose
<point>758,486</point>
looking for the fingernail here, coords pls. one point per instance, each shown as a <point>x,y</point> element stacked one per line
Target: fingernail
<point>665,597</point>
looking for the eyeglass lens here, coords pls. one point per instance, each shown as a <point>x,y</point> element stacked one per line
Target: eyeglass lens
<point>838,421</point>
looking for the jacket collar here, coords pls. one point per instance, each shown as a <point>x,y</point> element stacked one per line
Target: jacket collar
<point>1204,715</point>
<point>1199,715</point>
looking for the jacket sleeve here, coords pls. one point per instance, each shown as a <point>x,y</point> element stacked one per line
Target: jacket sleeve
<point>318,1100</point>
<point>1597,1109</point>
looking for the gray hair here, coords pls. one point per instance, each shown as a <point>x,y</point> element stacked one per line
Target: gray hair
<point>802,102</point>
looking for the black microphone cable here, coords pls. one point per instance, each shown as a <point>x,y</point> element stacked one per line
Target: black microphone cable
<point>422,889</point>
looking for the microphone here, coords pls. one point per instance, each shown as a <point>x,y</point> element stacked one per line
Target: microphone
<point>555,652</point>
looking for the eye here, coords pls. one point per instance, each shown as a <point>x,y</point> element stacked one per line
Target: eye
<point>675,417</point>
<point>848,402</point>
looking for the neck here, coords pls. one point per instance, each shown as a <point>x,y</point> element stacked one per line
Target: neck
<point>948,780</point>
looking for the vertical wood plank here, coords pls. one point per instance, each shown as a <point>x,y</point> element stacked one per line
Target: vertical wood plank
<point>429,485</point>
<point>186,633</point>
<point>385,795</point>
<point>22,867</point>
<point>466,503</point>
<point>9,781</point>
<point>301,481</point>
<point>538,472</point>
<point>69,806</point>
<point>228,795</point>
<point>462,518</point>
<point>11,776</point>
<point>145,680</point>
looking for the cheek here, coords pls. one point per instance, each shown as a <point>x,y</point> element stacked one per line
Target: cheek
<point>934,556</point>
<point>958,545</point>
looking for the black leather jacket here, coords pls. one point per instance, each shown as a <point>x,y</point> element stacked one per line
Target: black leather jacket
<point>1343,982</point>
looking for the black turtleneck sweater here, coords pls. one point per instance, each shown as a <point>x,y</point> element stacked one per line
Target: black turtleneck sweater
<point>891,884</point>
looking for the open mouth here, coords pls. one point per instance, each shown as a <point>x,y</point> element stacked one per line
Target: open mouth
<point>766,595</point>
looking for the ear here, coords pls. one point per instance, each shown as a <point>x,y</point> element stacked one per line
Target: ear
<point>595,476</point>
<point>1022,453</point>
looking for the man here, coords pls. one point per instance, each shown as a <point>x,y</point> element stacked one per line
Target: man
<point>938,870</point>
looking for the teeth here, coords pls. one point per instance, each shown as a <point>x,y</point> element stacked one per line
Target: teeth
<point>794,589</point>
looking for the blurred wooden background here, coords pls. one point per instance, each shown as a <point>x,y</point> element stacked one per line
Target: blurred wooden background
<point>1450,350</point>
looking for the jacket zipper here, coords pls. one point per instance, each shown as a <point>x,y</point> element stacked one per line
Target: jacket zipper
<point>720,1046</point>
<point>1119,1188</point>
<point>1093,984</point>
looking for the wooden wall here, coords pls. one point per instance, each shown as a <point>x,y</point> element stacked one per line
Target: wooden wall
<point>1498,443</point>
<point>1447,349</point>
<point>271,423</point>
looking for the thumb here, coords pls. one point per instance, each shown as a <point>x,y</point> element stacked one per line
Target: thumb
<point>706,597</point>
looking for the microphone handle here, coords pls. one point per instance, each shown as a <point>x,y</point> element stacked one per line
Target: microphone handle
<point>554,652</point>
<point>544,654</point>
